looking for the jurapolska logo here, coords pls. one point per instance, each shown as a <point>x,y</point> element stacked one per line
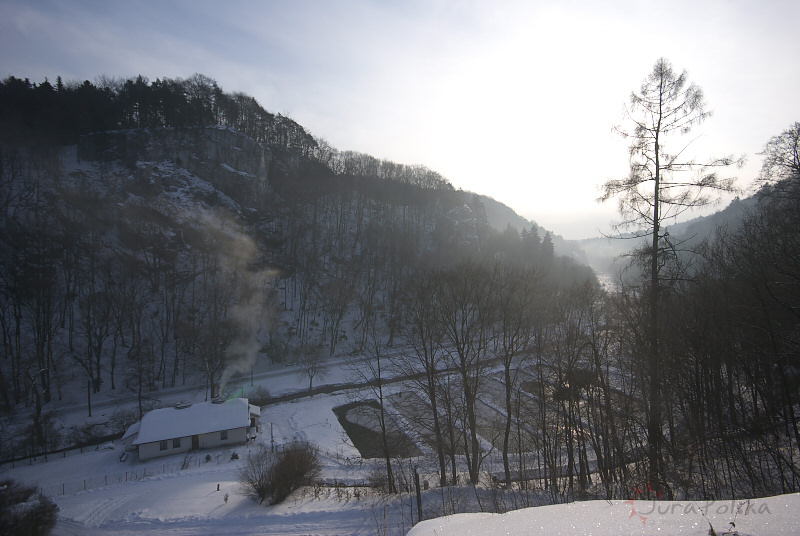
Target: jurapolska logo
<point>632,502</point>
<point>642,508</point>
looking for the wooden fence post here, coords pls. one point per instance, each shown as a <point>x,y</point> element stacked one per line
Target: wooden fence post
<point>419,495</point>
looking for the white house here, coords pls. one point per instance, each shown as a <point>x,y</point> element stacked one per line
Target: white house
<point>190,427</point>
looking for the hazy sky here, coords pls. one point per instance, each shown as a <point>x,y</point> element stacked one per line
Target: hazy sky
<point>514,100</point>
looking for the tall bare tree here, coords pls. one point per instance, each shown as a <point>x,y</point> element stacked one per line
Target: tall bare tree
<point>516,319</point>
<point>372,371</point>
<point>422,332</point>
<point>662,185</point>
<point>466,301</point>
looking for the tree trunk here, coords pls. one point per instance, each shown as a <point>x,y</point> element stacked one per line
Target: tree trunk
<point>655,475</point>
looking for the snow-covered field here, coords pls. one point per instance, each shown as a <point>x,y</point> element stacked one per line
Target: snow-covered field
<point>203,498</point>
<point>186,501</point>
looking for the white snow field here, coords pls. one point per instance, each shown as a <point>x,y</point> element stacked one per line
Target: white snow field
<point>772,516</point>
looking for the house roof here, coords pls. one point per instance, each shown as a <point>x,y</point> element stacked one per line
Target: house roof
<point>132,430</point>
<point>202,418</point>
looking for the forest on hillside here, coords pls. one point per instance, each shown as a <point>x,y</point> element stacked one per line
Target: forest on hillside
<point>164,233</point>
<point>138,259</point>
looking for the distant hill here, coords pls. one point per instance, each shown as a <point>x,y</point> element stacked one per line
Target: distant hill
<point>604,255</point>
<point>501,216</point>
<point>704,227</point>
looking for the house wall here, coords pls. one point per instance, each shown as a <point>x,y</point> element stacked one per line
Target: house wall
<point>236,436</point>
<point>128,442</point>
<point>153,450</point>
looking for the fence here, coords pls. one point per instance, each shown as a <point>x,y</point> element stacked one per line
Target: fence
<point>133,475</point>
<point>75,486</point>
<point>137,473</point>
<point>72,450</point>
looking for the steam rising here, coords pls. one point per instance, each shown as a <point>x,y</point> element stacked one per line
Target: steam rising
<point>237,257</point>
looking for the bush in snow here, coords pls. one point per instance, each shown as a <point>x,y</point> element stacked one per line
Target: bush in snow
<point>259,396</point>
<point>121,419</point>
<point>274,476</point>
<point>23,511</point>
<point>296,466</point>
<point>256,474</point>
<point>377,479</point>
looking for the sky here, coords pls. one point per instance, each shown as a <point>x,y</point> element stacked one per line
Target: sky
<point>511,99</point>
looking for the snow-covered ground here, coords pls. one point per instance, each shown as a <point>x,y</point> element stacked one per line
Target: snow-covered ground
<point>98,494</point>
<point>203,497</point>
<point>772,516</point>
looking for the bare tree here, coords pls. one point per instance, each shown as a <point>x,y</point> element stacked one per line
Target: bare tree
<point>515,330</point>
<point>422,332</point>
<point>335,296</point>
<point>660,186</point>
<point>218,295</point>
<point>95,306</point>
<point>466,305</point>
<point>311,365</point>
<point>782,155</point>
<point>372,370</point>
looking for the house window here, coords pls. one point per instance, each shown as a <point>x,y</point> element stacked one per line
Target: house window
<point>176,443</point>
<point>162,445</point>
<point>223,435</point>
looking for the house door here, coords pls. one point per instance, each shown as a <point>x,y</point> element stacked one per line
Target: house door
<point>195,442</point>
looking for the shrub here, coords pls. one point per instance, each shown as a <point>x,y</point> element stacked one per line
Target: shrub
<point>121,419</point>
<point>274,476</point>
<point>377,478</point>
<point>85,434</point>
<point>23,511</point>
<point>46,437</point>
<point>255,475</point>
<point>259,396</point>
<point>297,466</point>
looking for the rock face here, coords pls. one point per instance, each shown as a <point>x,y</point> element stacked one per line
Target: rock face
<point>237,164</point>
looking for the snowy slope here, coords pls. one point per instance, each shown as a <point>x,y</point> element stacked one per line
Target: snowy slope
<point>773,516</point>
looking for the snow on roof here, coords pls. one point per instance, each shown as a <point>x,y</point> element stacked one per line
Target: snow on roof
<point>132,430</point>
<point>255,410</point>
<point>202,418</point>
